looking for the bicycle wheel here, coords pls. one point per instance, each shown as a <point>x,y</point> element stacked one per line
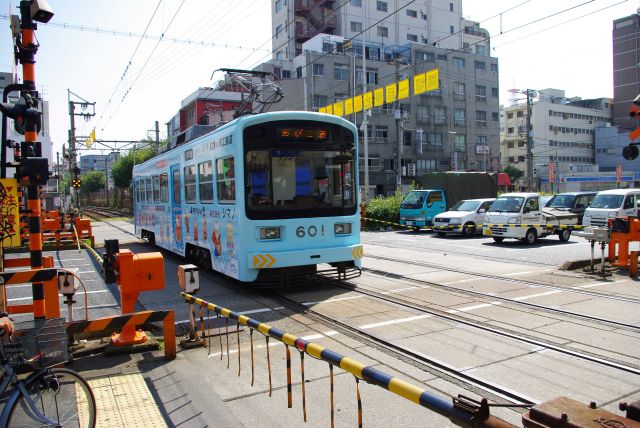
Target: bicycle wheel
<point>60,394</point>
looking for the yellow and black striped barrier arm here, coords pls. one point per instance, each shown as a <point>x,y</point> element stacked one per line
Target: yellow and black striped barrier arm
<point>392,224</point>
<point>543,226</point>
<point>443,406</point>
<point>27,276</point>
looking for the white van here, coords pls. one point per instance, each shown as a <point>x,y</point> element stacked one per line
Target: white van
<point>610,204</point>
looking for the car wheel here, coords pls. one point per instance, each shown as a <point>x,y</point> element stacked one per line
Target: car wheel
<point>531,236</point>
<point>498,239</point>
<point>468,229</point>
<point>564,235</point>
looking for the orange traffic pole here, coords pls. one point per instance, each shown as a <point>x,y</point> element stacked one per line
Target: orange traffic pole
<point>27,59</point>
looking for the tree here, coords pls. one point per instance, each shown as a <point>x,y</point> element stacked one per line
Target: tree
<point>92,182</point>
<point>513,172</point>
<point>122,169</point>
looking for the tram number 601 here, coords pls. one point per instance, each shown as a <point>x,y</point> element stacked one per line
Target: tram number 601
<point>311,231</point>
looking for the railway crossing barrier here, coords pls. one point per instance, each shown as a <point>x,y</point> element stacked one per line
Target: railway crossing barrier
<point>461,410</point>
<point>543,226</point>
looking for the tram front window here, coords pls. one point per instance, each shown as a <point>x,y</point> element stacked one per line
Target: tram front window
<point>301,183</point>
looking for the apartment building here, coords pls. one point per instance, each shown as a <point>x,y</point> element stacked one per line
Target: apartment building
<point>626,75</point>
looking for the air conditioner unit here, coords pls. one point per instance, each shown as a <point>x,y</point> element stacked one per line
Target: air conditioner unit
<point>412,169</point>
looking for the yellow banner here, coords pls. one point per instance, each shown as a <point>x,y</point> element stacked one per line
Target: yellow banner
<point>9,217</point>
<point>329,109</point>
<point>357,103</point>
<point>418,84</point>
<point>432,80</point>
<point>403,89</point>
<point>337,108</point>
<point>378,97</point>
<point>368,100</point>
<point>390,93</point>
<point>322,110</point>
<point>348,106</point>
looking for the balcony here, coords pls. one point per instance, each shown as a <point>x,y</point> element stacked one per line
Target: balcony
<point>422,119</point>
<point>380,140</point>
<point>459,122</point>
<point>481,99</point>
<point>440,120</point>
<point>481,123</point>
<point>458,96</point>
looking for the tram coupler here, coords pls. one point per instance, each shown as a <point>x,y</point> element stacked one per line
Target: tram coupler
<point>565,412</point>
<point>633,410</point>
<point>479,412</point>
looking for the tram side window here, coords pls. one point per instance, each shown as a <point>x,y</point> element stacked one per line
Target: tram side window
<point>156,188</point>
<point>136,186</point>
<point>149,191</point>
<point>164,188</point>
<point>205,181</point>
<point>190,183</point>
<point>226,178</point>
<point>176,186</point>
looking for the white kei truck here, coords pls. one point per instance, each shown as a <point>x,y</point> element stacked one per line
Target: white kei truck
<point>520,216</point>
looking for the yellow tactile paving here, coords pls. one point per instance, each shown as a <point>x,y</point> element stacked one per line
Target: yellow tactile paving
<point>125,401</point>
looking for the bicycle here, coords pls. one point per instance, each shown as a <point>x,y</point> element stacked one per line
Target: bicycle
<point>48,396</point>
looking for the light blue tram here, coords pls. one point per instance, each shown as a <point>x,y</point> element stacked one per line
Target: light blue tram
<point>263,197</point>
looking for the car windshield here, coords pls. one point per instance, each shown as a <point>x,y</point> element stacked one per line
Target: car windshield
<point>607,201</point>
<point>561,201</point>
<point>509,204</point>
<point>465,206</point>
<point>413,200</point>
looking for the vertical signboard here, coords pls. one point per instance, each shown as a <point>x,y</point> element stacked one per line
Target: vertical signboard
<point>9,218</point>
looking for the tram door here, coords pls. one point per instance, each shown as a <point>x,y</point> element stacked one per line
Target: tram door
<point>176,208</point>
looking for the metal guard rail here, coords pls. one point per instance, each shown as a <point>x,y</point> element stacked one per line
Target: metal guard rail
<point>456,410</point>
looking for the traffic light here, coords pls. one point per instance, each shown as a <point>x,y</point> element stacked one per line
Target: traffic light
<point>75,183</point>
<point>630,152</point>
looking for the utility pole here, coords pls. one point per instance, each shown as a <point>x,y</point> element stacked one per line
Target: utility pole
<point>399,128</point>
<point>157,137</point>
<point>74,171</point>
<point>530,93</point>
<point>365,122</point>
<point>106,177</point>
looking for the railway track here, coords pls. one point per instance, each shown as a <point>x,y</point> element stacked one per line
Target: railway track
<point>448,268</point>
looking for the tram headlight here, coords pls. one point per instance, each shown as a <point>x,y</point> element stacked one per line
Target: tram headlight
<point>342,228</point>
<point>270,233</point>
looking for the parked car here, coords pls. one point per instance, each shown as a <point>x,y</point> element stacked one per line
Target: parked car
<point>544,200</point>
<point>611,204</point>
<point>575,202</point>
<point>465,217</point>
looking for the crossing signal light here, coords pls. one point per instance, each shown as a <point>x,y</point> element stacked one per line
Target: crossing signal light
<point>76,183</point>
<point>630,152</point>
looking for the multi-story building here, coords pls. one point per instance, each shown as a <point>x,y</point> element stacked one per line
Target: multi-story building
<point>100,163</point>
<point>438,23</point>
<point>626,75</point>
<point>563,132</point>
<point>454,128</point>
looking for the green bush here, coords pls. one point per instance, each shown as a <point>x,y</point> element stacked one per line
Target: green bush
<point>385,209</point>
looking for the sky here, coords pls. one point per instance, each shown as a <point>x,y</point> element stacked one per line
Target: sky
<point>539,43</point>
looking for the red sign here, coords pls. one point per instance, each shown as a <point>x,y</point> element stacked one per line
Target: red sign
<point>619,173</point>
<point>552,172</point>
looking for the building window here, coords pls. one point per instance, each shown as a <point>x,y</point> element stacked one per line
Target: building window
<point>318,69</point>
<point>424,56</point>
<point>190,183</point>
<point>494,92</point>
<point>440,115</point>
<point>226,178</point>
<point>450,7</point>
<point>495,116</point>
<point>356,27</point>
<point>426,164</point>
<point>481,118</point>
<point>460,143</point>
<point>520,158</point>
<point>205,181</point>
<point>458,117</point>
<point>510,145</point>
<point>481,93</point>
<point>422,114</point>
<point>383,31</point>
<point>481,140</point>
<point>510,130</point>
<point>381,134</point>
<point>494,68</point>
<point>458,91</point>
<point>458,62</point>
<point>480,50</point>
<point>442,58</point>
<point>319,101</point>
<point>356,3</point>
<point>434,138</point>
<point>340,72</point>
<point>381,6</point>
<point>411,13</point>
<point>286,74</point>
<point>412,37</point>
<point>299,72</point>
<point>372,77</point>
<point>278,5</point>
<point>278,30</point>
<point>520,113</point>
<point>406,138</point>
<point>451,29</point>
<point>480,65</point>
